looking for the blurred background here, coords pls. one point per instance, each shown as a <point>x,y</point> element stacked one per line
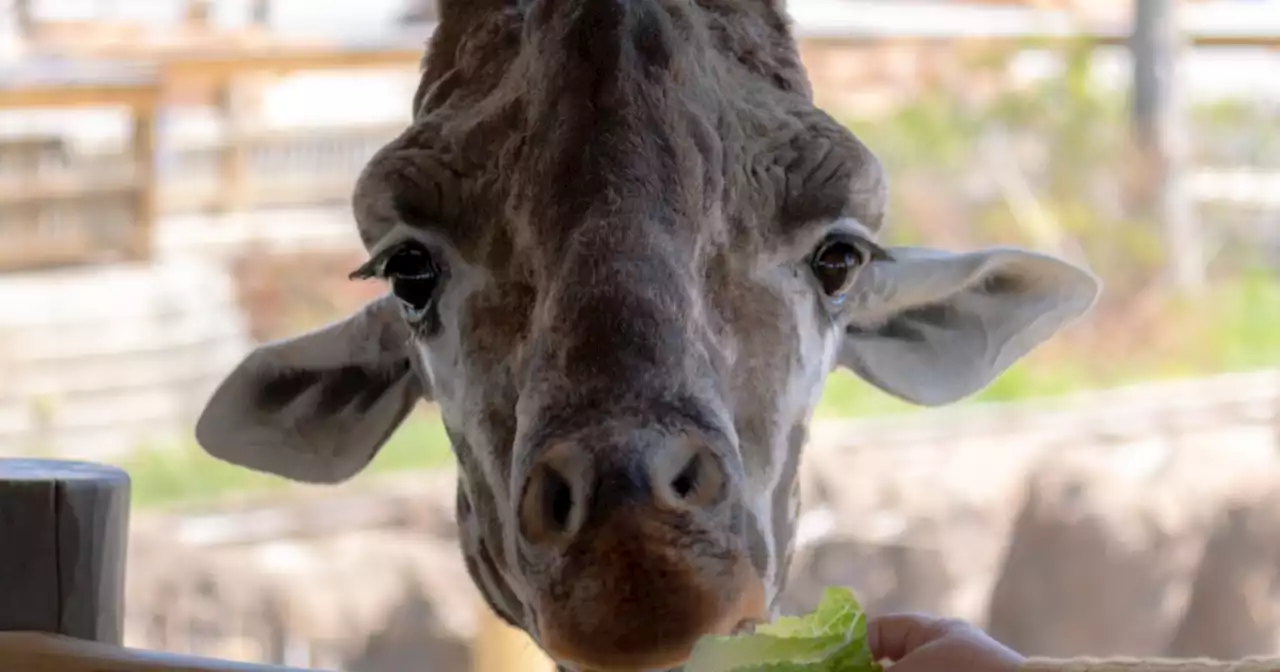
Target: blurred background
<point>174,188</point>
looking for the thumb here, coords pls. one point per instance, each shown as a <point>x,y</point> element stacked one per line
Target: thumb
<point>895,636</point>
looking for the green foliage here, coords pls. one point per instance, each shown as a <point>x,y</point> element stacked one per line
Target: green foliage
<point>1069,141</point>
<point>831,639</point>
<point>187,475</point>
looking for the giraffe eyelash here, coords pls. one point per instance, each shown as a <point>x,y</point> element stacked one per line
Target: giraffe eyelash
<point>375,267</point>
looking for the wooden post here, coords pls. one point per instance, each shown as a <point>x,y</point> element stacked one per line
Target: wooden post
<point>198,15</point>
<point>260,13</point>
<point>234,105</point>
<point>499,647</point>
<point>144,160</point>
<point>1161,128</point>
<point>63,535</point>
<point>24,19</point>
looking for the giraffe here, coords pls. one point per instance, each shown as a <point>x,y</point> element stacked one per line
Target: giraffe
<point>623,251</point>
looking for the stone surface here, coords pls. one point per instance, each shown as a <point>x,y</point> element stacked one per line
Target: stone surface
<point>368,601</point>
<point>1234,607</point>
<point>916,525</point>
<point>1101,558</point>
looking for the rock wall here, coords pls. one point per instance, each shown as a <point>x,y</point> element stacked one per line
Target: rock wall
<point>1148,530</point>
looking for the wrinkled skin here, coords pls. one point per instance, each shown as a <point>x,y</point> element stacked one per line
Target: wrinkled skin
<point>624,250</point>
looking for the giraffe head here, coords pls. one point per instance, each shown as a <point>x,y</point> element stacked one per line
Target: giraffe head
<point>623,251</point>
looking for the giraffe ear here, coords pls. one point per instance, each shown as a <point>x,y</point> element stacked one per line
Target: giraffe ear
<point>316,408</point>
<point>933,327</point>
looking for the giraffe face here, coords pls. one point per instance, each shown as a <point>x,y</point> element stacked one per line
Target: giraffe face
<point>623,251</point>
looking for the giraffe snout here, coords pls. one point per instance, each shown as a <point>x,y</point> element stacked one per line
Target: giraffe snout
<point>635,549</point>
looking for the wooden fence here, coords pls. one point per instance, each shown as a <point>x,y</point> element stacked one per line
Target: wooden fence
<point>58,209</point>
<point>270,169</point>
<point>50,215</point>
<point>63,544</point>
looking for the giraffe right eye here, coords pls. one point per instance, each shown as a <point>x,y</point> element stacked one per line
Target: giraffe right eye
<point>414,277</point>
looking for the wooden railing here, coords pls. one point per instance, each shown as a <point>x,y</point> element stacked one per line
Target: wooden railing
<point>59,210</point>
<point>63,545</point>
<point>50,217</point>
<point>108,210</point>
<point>265,169</point>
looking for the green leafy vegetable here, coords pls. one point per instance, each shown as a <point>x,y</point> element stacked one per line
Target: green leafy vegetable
<point>831,639</point>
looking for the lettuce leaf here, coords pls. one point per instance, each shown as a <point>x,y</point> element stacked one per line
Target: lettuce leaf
<point>831,639</point>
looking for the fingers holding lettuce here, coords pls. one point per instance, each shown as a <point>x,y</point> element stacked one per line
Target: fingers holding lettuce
<point>838,637</point>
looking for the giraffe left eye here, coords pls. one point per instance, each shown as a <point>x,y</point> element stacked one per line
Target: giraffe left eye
<point>834,263</point>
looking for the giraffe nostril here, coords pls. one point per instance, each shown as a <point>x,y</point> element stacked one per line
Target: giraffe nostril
<point>557,500</point>
<point>568,484</point>
<point>685,481</point>
<point>700,481</point>
<point>549,508</point>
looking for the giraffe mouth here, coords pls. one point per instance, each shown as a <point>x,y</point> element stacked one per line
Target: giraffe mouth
<point>660,650</point>
<point>746,626</point>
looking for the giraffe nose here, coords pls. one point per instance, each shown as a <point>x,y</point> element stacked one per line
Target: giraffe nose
<point>573,484</point>
<point>638,548</point>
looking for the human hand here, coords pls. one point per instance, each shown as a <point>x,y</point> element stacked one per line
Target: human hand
<point>920,643</point>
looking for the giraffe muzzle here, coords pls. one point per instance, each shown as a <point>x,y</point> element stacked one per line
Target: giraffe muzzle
<point>635,549</point>
<point>640,603</point>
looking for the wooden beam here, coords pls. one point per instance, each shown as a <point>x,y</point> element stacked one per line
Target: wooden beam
<point>1032,39</point>
<point>215,66</point>
<point>34,652</point>
<point>218,66</point>
<point>63,533</point>
<point>63,189</point>
<point>144,202</point>
<point>74,95</point>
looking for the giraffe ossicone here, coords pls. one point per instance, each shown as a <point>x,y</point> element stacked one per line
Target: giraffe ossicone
<point>624,250</point>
